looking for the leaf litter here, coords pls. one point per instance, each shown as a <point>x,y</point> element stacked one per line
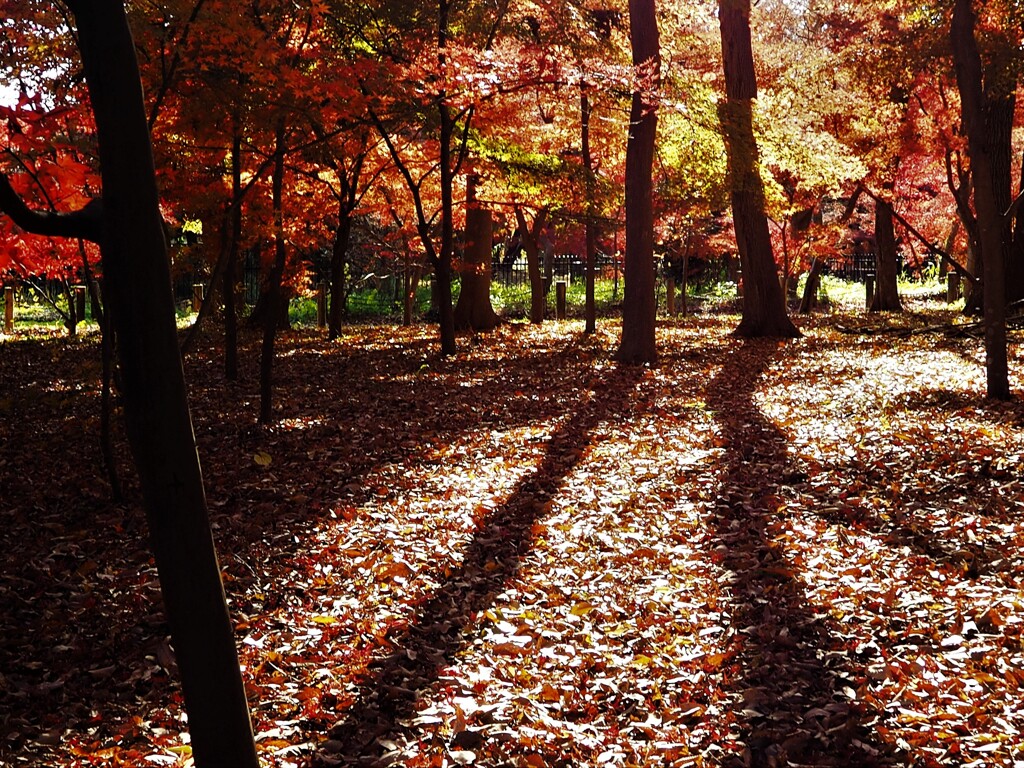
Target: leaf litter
<point>751,554</point>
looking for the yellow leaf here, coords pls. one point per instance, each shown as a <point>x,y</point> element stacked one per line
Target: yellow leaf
<point>582,608</point>
<point>262,458</point>
<point>324,620</point>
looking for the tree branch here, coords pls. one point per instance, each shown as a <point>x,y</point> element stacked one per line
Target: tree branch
<point>85,223</point>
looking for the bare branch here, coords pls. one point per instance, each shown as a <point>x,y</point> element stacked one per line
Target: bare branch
<point>85,223</point>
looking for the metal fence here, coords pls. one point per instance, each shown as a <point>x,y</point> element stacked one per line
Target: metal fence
<point>565,266</point>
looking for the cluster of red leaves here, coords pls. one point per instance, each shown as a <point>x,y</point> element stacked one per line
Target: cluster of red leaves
<point>754,554</point>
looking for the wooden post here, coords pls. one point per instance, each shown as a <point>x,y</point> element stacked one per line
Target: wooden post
<point>952,287</point>
<point>80,303</point>
<point>561,291</point>
<point>670,296</point>
<point>9,309</point>
<point>869,290</point>
<point>321,305</point>
<point>197,297</point>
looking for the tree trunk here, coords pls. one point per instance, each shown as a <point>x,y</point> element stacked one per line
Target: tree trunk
<point>764,305</point>
<point>474,310</point>
<point>530,238</point>
<point>231,268</point>
<point>274,296</point>
<point>887,296</point>
<point>967,61</point>
<point>140,303</point>
<point>590,306</point>
<point>810,297</point>
<point>639,307</point>
<point>339,260</point>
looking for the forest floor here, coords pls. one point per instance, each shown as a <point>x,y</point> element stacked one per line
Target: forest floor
<point>756,553</point>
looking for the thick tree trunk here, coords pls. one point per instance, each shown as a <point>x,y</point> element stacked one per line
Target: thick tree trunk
<point>886,297</point>
<point>140,303</point>
<point>474,310</point>
<point>990,224</point>
<point>639,307</point>
<point>764,304</point>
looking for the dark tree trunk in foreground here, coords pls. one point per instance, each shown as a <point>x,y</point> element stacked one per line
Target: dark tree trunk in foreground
<point>886,297</point>
<point>474,310</point>
<point>990,221</point>
<point>764,302</point>
<point>139,298</point>
<point>639,306</point>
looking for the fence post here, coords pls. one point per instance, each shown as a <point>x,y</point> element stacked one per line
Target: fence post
<point>197,297</point>
<point>561,291</point>
<point>9,309</point>
<point>321,305</point>
<point>869,290</point>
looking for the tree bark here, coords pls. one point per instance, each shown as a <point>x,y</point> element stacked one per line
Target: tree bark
<point>141,308</point>
<point>531,246</point>
<point>590,305</point>
<point>231,268</point>
<point>967,61</point>
<point>886,297</point>
<point>474,310</point>
<point>339,260</point>
<point>275,294</point>
<point>764,304</point>
<point>639,308</point>
<point>810,298</point>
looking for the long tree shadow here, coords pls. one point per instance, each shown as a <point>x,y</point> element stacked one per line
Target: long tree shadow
<point>490,561</point>
<point>791,693</point>
<point>81,623</point>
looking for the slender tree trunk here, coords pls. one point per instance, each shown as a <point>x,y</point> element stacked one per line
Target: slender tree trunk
<point>590,307</point>
<point>639,308</point>
<point>531,246</point>
<point>990,225</point>
<point>886,297</point>
<point>764,305</point>
<point>443,267</point>
<point>810,297</point>
<point>231,268</point>
<point>140,305</point>
<point>274,283</point>
<point>339,260</point>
